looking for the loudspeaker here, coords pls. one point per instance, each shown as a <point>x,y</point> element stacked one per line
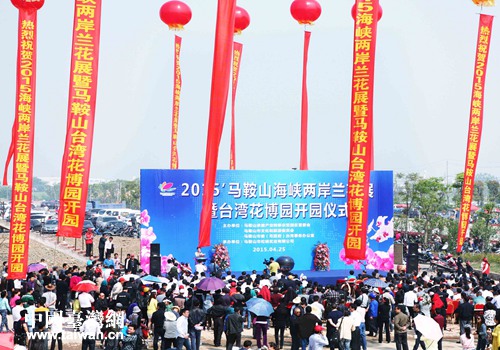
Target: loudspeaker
<point>155,265</point>
<point>411,263</point>
<point>398,254</point>
<point>155,249</point>
<point>412,248</point>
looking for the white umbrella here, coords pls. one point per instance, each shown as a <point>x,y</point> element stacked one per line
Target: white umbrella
<point>429,328</point>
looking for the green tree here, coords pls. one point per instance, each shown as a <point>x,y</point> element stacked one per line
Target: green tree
<point>482,227</point>
<point>404,193</point>
<point>457,186</point>
<point>131,193</point>
<point>430,198</point>
<point>479,192</point>
<point>451,228</point>
<point>493,190</point>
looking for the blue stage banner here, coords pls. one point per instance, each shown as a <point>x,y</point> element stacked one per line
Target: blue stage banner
<point>262,214</point>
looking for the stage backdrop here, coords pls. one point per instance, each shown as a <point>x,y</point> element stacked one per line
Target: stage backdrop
<point>259,214</point>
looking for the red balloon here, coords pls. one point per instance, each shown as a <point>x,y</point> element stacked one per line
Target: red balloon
<point>241,19</point>
<point>175,14</point>
<point>353,12</point>
<point>305,11</point>
<point>28,4</point>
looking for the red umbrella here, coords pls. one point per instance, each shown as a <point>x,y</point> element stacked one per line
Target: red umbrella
<point>85,286</point>
<point>6,341</point>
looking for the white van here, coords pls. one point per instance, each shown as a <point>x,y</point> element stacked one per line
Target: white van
<point>122,214</point>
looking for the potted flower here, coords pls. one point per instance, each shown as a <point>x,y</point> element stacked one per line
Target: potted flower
<point>221,257</point>
<point>321,257</point>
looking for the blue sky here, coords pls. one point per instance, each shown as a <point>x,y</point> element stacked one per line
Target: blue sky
<point>423,81</point>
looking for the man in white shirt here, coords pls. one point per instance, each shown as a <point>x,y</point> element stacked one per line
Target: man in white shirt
<point>90,330</point>
<point>16,311</point>
<point>496,299</point>
<point>117,288</point>
<point>109,248</point>
<point>317,307</point>
<point>182,330</point>
<point>362,326</point>
<point>410,299</point>
<point>50,298</point>
<point>358,320</point>
<point>86,301</point>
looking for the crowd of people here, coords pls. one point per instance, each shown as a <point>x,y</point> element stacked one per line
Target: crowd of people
<point>125,311</point>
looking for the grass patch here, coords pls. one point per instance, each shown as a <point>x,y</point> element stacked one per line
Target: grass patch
<point>475,260</point>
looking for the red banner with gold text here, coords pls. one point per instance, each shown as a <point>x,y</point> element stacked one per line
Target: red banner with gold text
<point>475,124</point>
<point>81,111</point>
<point>237,51</point>
<point>221,74</point>
<point>23,135</point>
<point>174,156</point>
<point>365,35</point>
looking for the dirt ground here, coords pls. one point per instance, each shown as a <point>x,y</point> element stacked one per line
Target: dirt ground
<point>56,256</point>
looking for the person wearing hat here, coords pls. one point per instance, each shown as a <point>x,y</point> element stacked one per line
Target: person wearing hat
<point>135,316</point>
<point>117,288</point>
<point>50,298</point>
<point>318,339</point>
<point>170,330</point>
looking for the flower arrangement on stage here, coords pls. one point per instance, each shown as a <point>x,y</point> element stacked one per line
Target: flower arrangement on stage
<point>221,256</point>
<point>321,257</point>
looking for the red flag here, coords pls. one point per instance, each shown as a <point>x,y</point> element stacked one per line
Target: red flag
<point>221,73</point>
<point>305,106</point>
<point>358,183</point>
<point>22,144</point>
<point>174,156</point>
<point>237,52</point>
<point>475,124</point>
<point>80,123</point>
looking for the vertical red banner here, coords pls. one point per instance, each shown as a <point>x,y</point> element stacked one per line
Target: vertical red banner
<point>365,35</point>
<point>81,111</point>
<point>475,124</point>
<point>237,51</point>
<point>176,102</point>
<point>23,135</point>
<point>305,105</point>
<point>221,74</point>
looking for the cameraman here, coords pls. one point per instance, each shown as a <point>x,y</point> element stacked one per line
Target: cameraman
<point>272,265</point>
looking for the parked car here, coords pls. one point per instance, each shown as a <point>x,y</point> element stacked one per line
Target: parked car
<point>35,225</point>
<point>50,226</point>
<point>102,220</point>
<point>116,225</point>
<point>87,224</point>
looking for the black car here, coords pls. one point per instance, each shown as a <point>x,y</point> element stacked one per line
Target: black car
<point>87,224</point>
<point>115,225</point>
<point>35,225</point>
